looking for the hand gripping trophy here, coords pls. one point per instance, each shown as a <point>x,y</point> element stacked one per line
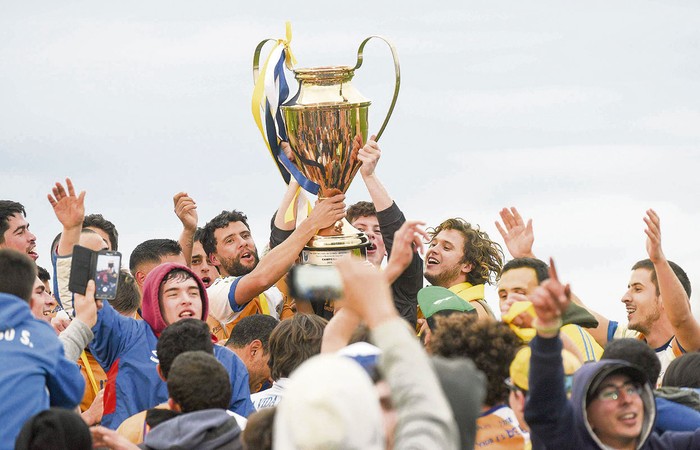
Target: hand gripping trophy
<point>326,124</point>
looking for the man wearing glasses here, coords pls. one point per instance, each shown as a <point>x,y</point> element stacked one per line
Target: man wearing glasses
<point>612,403</point>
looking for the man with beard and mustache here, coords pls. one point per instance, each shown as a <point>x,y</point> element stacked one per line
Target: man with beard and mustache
<point>462,258</point>
<point>246,284</point>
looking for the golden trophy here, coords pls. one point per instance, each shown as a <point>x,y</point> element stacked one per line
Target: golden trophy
<point>326,124</point>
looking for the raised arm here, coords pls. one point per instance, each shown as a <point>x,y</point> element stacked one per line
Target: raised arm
<point>280,259</point>
<point>519,238</point>
<point>547,411</point>
<point>70,211</point>
<point>186,211</point>
<point>407,241</point>
<point>369,155</point>
<point>673,296</point>
<point>425,418</point>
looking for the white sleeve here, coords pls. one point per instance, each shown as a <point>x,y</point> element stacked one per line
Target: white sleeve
<point>219,304</point>
<point>63,264</point>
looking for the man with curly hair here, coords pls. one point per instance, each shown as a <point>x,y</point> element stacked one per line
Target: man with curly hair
<point>492,346</point>
<point>462,258</point>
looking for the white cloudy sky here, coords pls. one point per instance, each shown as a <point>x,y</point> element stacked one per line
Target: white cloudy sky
<point>582,115</point>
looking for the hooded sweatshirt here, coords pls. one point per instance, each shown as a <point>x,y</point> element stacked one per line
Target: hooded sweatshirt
<point>126,350</point>
<point>208,429</point>
<point>34,374</point>
<point>561,423</point>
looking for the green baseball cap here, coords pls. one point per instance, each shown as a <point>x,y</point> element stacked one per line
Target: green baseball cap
<point>433,299</point>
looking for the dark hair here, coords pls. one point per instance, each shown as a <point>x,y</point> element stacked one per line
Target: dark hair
<point>484,255</point>
<point>54,428</point>
<point>248,329</point>
<point>198,381</point>
<point>635,352</point>
<point>683,371</point>
<point>360,209</point>
<point>128,297</point>
<point>198,235</point>
<point>17,274</point>
<point>294,341</point>
<point>540,267</point>
<point>491,345</point>
<point>186,335</point>
<point>43,274</point>
<point>54,244</point>
<point>97,221</point>
<point>8,208</point>
<point>680,274</point>
<point>151,251</point>
<point>258,430</point>
<point>208,239</point>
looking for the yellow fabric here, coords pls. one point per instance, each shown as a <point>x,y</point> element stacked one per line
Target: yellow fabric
<point>259,305</point>
<point>466,291</point>
<point>90,368</point>
<point>259,89</point>
<point>582,339</point>
<point>520,367</point>
<point>88,371</point>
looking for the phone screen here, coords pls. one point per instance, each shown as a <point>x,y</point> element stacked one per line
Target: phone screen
<point>107,275</point>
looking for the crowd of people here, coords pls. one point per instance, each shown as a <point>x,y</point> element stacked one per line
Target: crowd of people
<point>204,347</point>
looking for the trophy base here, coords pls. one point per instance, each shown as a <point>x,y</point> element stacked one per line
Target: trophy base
<point>334,243</point>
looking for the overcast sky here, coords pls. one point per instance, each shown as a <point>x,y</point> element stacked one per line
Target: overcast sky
<point>582,115</point>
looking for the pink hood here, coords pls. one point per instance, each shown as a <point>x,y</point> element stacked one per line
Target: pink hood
<point>150,306</point>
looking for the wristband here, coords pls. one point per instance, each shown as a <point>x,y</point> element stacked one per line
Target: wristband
<point>548,329</point>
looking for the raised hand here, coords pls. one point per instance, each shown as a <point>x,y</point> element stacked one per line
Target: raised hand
<point>69,208</point>
<point>517,235</point>
<point>328,211</point>
<point>653,232</point>
<point>550,300</point>
<point>407,241</point>
<point>369,155</point>
<point>85,305</point>
<point>366,291</point>
<point>186,211</point>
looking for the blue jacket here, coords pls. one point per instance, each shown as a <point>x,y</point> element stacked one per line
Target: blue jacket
<point>34,374</point>
<point>126,350</point>
<point>560,423</point>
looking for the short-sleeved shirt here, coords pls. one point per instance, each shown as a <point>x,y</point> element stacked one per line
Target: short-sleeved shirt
<point>225,313</point>
<point>499,429</point>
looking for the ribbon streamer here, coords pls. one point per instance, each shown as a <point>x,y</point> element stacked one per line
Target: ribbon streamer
<point>270,92</point>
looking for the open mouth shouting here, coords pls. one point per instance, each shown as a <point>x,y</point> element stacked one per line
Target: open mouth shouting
<point>207,281</point>
<point>431,261</point>
<point>187,314</point>
<point>247,257</point>
<point>32,254</point>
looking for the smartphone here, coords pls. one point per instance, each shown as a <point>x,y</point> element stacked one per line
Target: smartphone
<point>314,283</point>
<point>102,266</point>
<point>106,274</point>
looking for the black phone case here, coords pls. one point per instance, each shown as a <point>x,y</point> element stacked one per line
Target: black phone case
<point>81,267</point>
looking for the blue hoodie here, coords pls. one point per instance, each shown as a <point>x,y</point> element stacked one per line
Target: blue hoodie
<point>34,374</point>
<point>126,350</point>
<point>561,423</point>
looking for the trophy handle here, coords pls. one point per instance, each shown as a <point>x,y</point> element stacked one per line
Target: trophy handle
<point>397,70</point>
<point>256,58</point>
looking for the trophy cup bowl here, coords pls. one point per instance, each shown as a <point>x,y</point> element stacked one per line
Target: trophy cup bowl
<point>326,123</point>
